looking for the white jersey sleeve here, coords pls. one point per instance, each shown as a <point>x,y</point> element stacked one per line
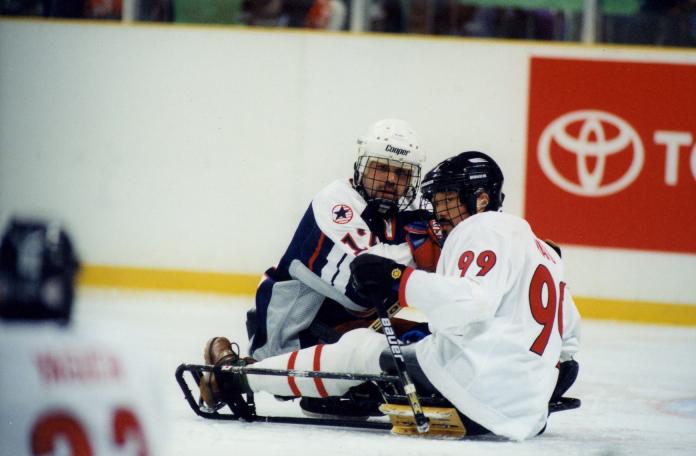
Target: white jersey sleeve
<point>571,328</point>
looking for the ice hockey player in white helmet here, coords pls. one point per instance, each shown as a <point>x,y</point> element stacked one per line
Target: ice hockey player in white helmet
<point>504,326</point>
<point>307,298</point>
<point>390,144</point>
<point>63,391</point>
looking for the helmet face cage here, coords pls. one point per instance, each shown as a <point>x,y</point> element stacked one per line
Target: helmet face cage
<point>37,270</point>
<point>458,208</point>
<point>387,179</point>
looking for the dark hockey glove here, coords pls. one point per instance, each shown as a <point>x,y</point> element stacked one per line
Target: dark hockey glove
<point>376,212</point>
<point>376,278</point>
<point>380,208</point>
<point>567,373</point>
<point>424,238</point>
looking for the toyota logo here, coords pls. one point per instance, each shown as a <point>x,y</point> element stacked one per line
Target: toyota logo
<point>591,141</point>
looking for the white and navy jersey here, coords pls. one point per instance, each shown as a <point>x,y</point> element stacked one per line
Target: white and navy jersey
<point>62,394</point>
<point>501,318</point>
<point>334,229</point>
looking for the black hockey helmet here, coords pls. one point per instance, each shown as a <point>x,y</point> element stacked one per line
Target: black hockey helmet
<point>469,174</point>
<point>37,272</point>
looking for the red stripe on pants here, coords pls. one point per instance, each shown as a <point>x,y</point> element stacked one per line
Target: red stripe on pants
<point>291,380</point>
<point>318,382</point>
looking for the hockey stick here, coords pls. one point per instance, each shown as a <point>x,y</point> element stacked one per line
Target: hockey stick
<point>391,311</point>
<point>251,370</point>
<point>299,271</point>
<point>422,424</point>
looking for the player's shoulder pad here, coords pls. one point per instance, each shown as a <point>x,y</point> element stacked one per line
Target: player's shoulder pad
<point>490,228</point>
<point>338,203</point>
<point>497,221</point>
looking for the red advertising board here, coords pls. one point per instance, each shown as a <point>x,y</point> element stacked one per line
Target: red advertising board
<point>611,154</point>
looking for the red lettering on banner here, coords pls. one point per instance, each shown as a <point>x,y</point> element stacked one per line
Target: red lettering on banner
<point>611,154</point>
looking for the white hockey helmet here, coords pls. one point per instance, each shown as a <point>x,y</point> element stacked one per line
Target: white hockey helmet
<point>397,142</point>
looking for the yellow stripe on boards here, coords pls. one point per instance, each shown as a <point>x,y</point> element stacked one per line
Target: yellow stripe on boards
<point>246,284</point>
<point>637,311</point>
<point>168,279</point>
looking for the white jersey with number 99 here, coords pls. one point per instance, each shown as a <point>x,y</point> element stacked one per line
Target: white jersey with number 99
<point>502,318</point>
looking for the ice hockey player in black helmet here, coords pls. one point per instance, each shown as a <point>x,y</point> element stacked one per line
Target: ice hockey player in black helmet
<point>470,175</point>
<point>37,271</point>
<point>64,388</point>
<point>502,318</point>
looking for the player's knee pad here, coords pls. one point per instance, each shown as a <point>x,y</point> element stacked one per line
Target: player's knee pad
<point>356,351</point>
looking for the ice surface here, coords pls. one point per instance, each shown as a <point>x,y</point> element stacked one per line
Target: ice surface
<point>637,384</point>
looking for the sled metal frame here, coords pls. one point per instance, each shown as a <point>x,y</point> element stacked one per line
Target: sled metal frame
<point>243,407</point>
<point>196,370</point>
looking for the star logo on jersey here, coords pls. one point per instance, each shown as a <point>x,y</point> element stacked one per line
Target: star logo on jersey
<point>341,214</point>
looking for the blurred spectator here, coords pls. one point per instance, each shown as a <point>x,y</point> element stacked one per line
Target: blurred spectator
<point>317,14</point>
<point>49,8</point>
<point>420,16</point>
<point>445,17</point>
<point>672,22</point>
<point>386,16</point>
<point>103,9</point>
<point>266,13</point>
<point>93,9</point>
<point>525,24</point>
<point>648,22</point>
<point>22,7</point>
<point>658,22</point>
<point>326,14</point>
<point>154,10</point>
<point>64,8</point>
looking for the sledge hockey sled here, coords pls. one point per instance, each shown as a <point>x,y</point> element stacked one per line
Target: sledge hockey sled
<point>445,421</point>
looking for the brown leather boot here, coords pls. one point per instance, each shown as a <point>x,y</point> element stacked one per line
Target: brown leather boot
<point>217,351</point>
